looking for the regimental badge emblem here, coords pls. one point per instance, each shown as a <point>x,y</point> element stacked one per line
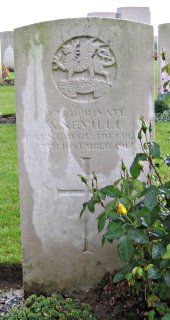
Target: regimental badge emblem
<point>84,68</point>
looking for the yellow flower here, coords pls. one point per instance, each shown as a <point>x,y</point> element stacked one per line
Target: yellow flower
<point>121,209</point>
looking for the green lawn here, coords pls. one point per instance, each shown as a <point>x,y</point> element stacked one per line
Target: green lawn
<point>9,202</point>
<point>162,136</point>
<point>7,100</point>
<point>12,75</point>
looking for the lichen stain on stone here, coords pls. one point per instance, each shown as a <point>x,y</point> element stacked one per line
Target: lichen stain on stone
<point>37,163</point>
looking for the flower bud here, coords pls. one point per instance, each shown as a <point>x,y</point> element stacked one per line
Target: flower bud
<point>83,179</point>
<point>140,135</point>
<point>140,164</point>
<point>121,209</point>
<point>123,167</point>
<point>144,126</point>
<point>150,127</point>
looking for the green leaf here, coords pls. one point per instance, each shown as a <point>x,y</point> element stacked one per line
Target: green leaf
<point>128,276</point>
<point>135,167</point>
<point>166,239</point>
<point>166,223</point>
<point>166,277</point>
<point>101,222</point>
<point>113,225</point>
<point>154,273</point>
<point>111,191</point>
<point>157,233</point>
<point>119,276</point>
<point>125,248</point>
<point>144,217</point>
<point>91,205</point>
<point>151,315</point>
<point>138,185</point>
<point>154,149</point>
<point>158,250</point>
<point>136,196</point>
<point>151,197</point>
<point>110,206</point>
<point>140,271</point>
<point>155,214</point>
<point>166,317</point>
<point>85,204</point>
<point>165,191</point>
<point>102,195</point>
<point>116,182</point>
<point>166,68</point>
<point>167,184</point>
<point>144,221</point>
<point>114,230</point>
<point>137,235</point>
<point>127,268</point>
<point>166,84</point>
<point>165,263</point>
<point>113,215</point>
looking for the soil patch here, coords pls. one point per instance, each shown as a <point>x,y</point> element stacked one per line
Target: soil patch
<point>7,118</point>
<point>109,301</point>
<point>10,276</point>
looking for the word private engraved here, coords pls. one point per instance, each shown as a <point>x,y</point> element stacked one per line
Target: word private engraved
<point>79,68</point>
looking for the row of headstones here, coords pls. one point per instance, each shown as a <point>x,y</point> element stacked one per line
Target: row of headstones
<point>140,14</point>
<point>7,49</point>
<point>80,93</point>
<point>128,13</point>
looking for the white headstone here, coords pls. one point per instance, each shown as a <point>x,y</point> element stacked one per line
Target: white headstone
<point>7,49</point>
<point>79,99</point>
<point>163,45</point>
<point>138,14</point>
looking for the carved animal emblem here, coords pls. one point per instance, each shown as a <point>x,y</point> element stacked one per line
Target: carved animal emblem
<point>88,55</point>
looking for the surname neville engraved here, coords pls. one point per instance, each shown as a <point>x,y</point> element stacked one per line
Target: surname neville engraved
<point>82,68</point>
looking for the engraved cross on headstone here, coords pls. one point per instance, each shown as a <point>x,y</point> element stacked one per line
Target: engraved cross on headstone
<point>84,191</point>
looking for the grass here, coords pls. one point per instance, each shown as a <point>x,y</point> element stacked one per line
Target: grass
<point>12,75</point>
<point>7,100</point>
<point>9,200</point>
<point>162,136</point>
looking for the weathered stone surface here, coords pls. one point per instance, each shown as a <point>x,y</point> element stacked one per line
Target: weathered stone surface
<point>138,14</point>
<point>7,49</point>
<point>80,93</point>
<point>103,14</point>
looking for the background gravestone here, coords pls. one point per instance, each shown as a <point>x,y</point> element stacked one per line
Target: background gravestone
<point>163,43</point>
<point>7,49</point>
<point>0,63</point>
<point>80,94</point>
<point>139,14</point>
